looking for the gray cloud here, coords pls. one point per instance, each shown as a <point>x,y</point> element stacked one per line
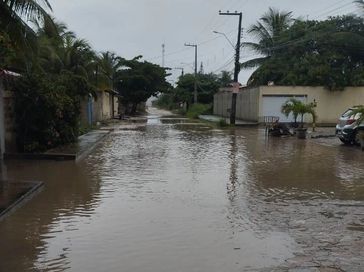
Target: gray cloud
<point>139,27</point>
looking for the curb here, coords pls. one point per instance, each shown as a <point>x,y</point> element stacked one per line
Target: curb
<point>37,188</point>
<point>57,156</point>
<point>81,155</point>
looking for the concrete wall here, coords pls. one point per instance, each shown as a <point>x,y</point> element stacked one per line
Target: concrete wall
<point>222,104</point>
<point>330,104</point>
<point>247,105</point>
<point>102,108</point>
<point>116,106</point>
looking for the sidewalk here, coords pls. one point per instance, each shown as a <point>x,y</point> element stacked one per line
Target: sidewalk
<point>216,119</point>
<point>321,132</point>
<point>85,144</point>
<point>73,151</point>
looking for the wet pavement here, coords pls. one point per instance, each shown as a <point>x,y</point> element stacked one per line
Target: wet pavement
<point>182,196</point>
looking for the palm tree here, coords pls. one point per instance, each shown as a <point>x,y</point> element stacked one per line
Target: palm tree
<point>289,107</point>
<point>78,57</point>
<point>15,16</point>
<point>298,108</point>
<point>360,3</point>
<point>108,67</point>
<point>267,30</point>
<point>60,49</point>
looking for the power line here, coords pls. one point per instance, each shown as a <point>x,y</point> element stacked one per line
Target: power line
<point>327,7</point>
<point>333,10</point>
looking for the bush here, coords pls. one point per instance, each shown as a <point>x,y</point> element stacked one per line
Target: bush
<point>47,110</point>
<point>197,109</point>
<point>165,101</point>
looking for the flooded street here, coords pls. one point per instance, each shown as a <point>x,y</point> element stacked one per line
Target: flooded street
<point>179,196</point>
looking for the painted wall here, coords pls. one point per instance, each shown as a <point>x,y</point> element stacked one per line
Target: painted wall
<point>101,108</point>
<point>330,104</point>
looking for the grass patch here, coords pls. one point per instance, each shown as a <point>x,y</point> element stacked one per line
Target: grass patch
<point>198,109</point>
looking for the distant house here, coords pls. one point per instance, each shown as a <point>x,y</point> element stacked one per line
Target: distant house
<point>255,103</point>
<point>101,108</point>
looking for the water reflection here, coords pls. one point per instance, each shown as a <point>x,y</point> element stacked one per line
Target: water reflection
<point>231,186</point>
<point>177,197</point>
<point>69,195</point>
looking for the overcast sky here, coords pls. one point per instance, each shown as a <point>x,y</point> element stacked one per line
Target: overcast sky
<point>140,27</point>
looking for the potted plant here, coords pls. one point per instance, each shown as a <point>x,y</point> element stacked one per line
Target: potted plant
<point>359,110</point>
<point>289,107</point>
<point>298,108</point>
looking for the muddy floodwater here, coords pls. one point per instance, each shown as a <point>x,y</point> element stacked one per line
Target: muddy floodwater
<point>174,196</point>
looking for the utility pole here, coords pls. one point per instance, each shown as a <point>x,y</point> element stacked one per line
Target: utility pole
<point>237,65</point>
<point>163,54</point>
<point>195,87</point>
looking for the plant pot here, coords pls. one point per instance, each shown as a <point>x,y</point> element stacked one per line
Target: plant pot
<point>301,133</point>
<point>361,139</point>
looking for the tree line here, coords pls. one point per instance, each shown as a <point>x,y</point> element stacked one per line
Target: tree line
<point>291,52</point>
<point>307,52</point>
<point>58,70</point>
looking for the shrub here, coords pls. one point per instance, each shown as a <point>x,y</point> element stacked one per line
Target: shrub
<point>47,110</point>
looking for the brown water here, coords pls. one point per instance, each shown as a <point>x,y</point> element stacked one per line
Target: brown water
<point>186,197</point>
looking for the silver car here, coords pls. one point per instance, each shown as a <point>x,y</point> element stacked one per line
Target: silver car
<point>348,127</point>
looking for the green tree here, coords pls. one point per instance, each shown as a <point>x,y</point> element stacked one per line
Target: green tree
<point>290,106</point>
<point>360,3</point>
<point>108,68</point>
<point>207,86</point>
<point>317,53</point>
<point>298,108</point>
<point>14,18</point>
<point>267,31</point>
<point>140,80</point>
<point>225,78</point>
<point>47,109</point>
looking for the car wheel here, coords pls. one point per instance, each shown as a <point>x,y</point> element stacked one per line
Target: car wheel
<point>356,138</point>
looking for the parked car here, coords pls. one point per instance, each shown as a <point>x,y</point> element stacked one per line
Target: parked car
<point>348,127</point>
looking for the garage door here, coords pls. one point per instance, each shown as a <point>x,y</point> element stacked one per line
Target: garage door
<point>272,105</point>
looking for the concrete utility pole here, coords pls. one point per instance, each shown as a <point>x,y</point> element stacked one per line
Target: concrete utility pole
<point>237,65</point>
<point>195,87</point>
<point>163,54</point>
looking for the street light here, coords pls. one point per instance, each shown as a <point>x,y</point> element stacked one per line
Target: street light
<point>221,33</point>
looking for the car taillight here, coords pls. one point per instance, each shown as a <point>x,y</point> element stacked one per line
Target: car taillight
<point>350,121</point>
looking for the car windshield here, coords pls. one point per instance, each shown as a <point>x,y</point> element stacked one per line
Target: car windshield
<point>349,114</point>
